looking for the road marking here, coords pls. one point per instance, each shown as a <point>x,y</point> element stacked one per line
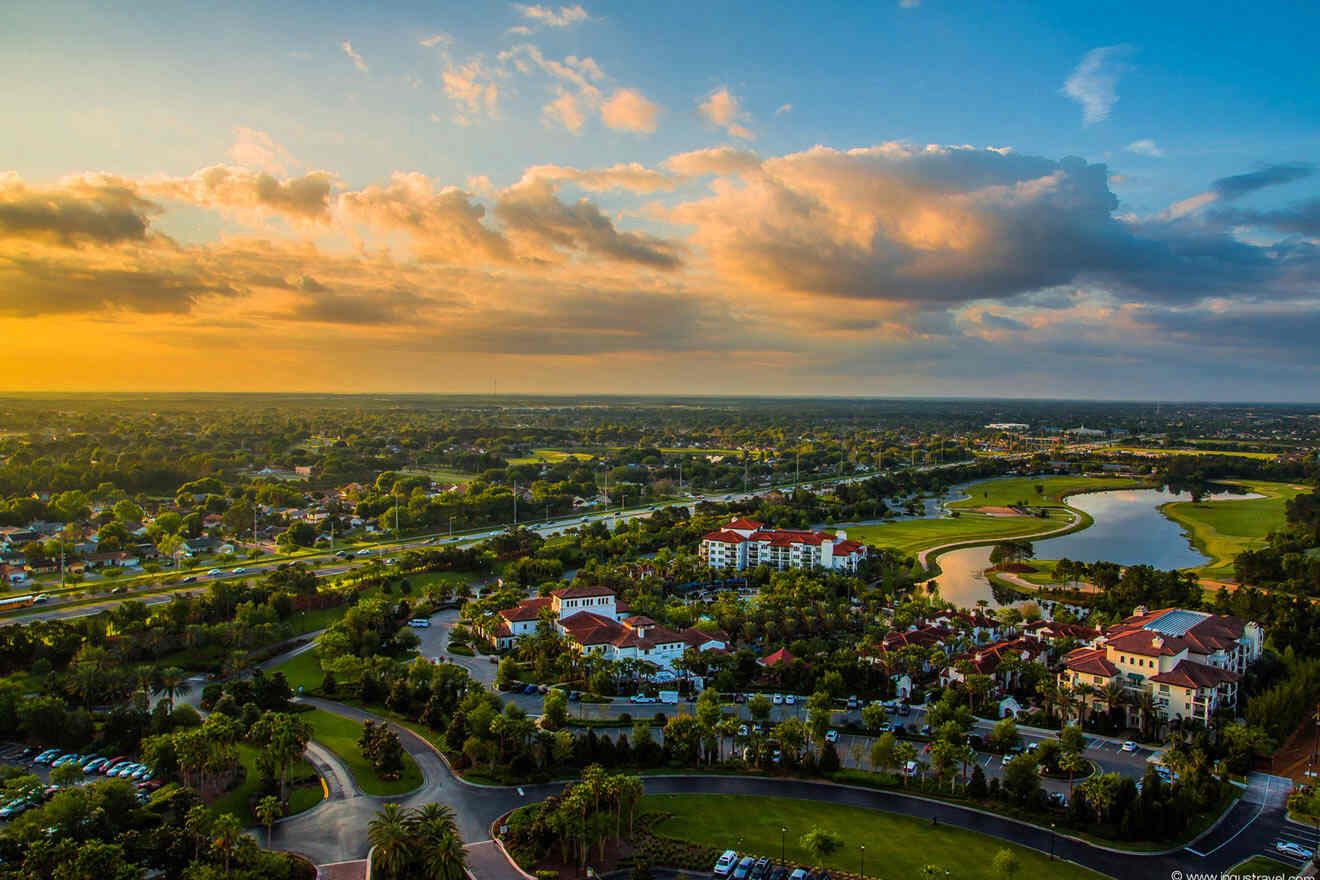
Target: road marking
<point>1268,780</point>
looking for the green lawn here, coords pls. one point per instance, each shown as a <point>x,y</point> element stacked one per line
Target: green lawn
<point>912,535</point>
<point>303,671</point>
<point>340,735</point>
<point>1011,490</point>
<point>1259,866</point>
<point>897,847</point>
<point>1222,529</point>
<point>301,798</point>
<point>441,474</point>
<point>1143,451</point>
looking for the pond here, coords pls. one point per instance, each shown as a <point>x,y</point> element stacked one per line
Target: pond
<point>1128,529</point>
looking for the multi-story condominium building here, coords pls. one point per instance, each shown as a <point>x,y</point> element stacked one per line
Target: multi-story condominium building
<point>745,543</point>
<point>1190,662</point>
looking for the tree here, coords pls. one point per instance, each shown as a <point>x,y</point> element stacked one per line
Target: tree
<point>1072,763</point>
<point>267,810</point>
<point>555,709</point>
<point>904,754</point>
<point>884,752</point>
<point>821,844</point>
<point>1004,736</point>
<point>873,716</point>
<point>390,836</point>
<point>439,848</point>
<point>226,831</point>
<point>1021,778</point>
<point>759,706</point>
<point>67,774</point>
<point>1006,865</point>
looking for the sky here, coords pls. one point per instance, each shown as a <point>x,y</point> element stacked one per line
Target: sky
<point>906,198</point>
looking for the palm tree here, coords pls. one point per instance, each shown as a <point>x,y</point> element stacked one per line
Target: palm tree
<point>268,809</point>
<point>225,834</point>
<point>1084,692</point>
<point>1112,694</point>
<point>391,838</point>
<point>1144,702</point>
<point>171,681</point>
<point>1073,763</point>
<point>440,848</point>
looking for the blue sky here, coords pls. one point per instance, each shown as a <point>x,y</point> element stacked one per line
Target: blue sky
<point>312,114</point>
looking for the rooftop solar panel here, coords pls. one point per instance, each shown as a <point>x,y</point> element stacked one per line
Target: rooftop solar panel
<point>1176,623</point>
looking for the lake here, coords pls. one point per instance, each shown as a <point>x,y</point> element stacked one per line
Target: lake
<point>1128,529</point>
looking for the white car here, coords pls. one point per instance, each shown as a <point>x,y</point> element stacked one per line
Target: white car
<point>790,699</point>
<point>778,700</point>
<point>215,572</point>
<point>725,863</point>
<point>1293,849</point>
<point>240,570</point>
<point>641,698</point>
<point>1129,746</point>
<point>832,736</point>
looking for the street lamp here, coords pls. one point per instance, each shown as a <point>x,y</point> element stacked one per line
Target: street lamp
<point>782,831</point>
<point>1051,841</point>
<point>862,870</point>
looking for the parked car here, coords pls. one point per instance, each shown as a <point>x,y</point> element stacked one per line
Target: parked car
<point>831,736</point>
<point>779,873</point>
<point>798,874</point>
<point>742,730</point>
<point>778,700</point>
<point>641,698</point>
<point>726,862</point>
<point>885,727</point>
<point>744,868</point>
<point>853,703</point>
<point>1129,746</point>
<point>1057,799</point>
<point>904,709</point>
<point>760,869</point>
<point>910,770</point>
<point>740,698</point>
<point>790,699</point>
<point>419,623</point>
<point>1295,850</point>
<point>529,689</point>
<point>1032,746</point>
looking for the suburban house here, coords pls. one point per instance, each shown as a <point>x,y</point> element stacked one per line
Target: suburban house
<point>745,543</point>
<point>986,660</point>
<point>1190,662</point>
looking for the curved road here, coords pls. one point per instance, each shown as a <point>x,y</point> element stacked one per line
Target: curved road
<point>335,830</point>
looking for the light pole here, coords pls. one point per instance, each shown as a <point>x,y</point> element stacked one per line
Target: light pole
<point>783,829</point>
<point>1051,841</point>
<point>862,871</point>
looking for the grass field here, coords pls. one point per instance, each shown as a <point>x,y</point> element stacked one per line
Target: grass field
<point>340,735</point>
<point>441,475</point>
<point>913,535</point>
<point>303,670</point>
<point>301,798</point>
<point>550,456</point>
<point>897,847</point>
<point>1222,529</point>
<point>1011,490</point>
<point>1259,866</point>
<point>1136,450</point>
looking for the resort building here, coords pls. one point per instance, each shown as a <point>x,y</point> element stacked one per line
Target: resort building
<point>1190,662</point>
<point>746,543</point>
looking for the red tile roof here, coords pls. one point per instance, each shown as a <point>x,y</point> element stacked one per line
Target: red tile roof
<point>781,656</point>
<point>1190,674</point>
<point>725,537</point>
<point>528,609</point>
<point>745,524</point>
<point>582,592</point>
<point>1090,661</point>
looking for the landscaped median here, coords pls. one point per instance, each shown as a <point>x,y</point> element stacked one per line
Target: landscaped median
<point>341,735</point>
<point>304,791</point>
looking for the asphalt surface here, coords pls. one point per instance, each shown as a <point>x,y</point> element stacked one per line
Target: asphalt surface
<point>336,829</point>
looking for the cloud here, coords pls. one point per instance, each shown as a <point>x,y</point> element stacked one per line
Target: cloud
<point>359,307</point>
<point>713,160</point>
<point>1145,147</point>
<point>784,108</point>
<point>443,226</point>
<point>1301,218</point>
<point>1239,185</point>
<point>472,87</point>
<point>629,110</point>
<point>547,17</point>
<point>908,4</point>
<point>632,176</point>
<point>31,286</point>
<point>357,59</point>
<point>437,39</point>
<point>566,110</point>
<point>1093,84</point>
<point>90,209</point>
<point>722,108</point>
<point>256,149</point>
<point>531,213</point>
<point>255,193</point>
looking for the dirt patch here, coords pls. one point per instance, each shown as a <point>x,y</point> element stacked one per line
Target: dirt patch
<point>998,511</point>
<point>1293,757</point>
